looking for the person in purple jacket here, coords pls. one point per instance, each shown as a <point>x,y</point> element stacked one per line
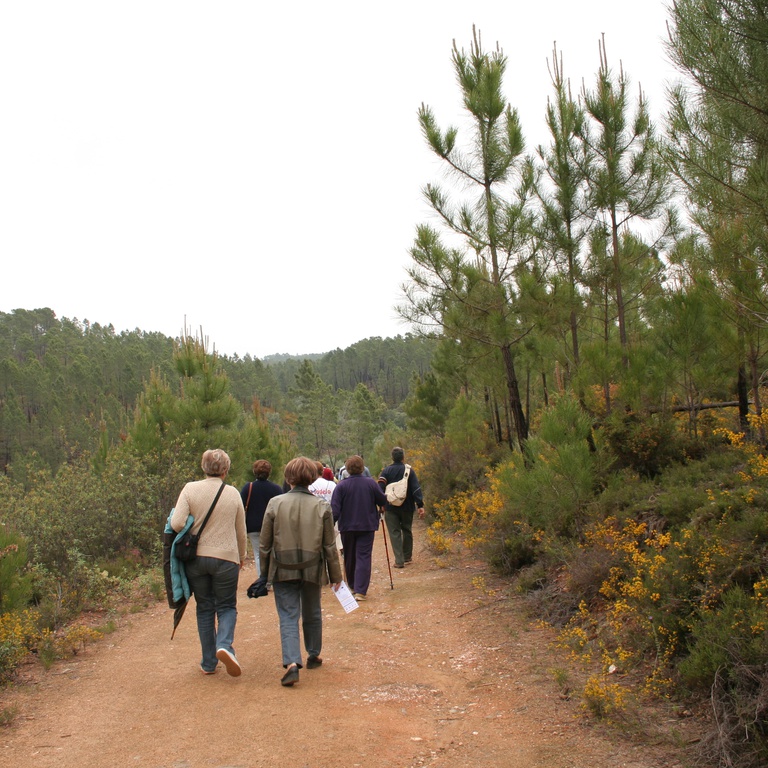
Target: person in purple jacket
<point>355,503</point>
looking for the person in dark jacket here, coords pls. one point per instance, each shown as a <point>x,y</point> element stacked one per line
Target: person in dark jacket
<point>355,503</point>
<point>256,496</point>
<point>399,520</point>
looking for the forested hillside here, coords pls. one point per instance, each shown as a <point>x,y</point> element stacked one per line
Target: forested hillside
<point>68,386</point>
<point>63,382</point>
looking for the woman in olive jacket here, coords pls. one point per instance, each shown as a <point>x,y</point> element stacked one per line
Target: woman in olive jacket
<point>298,554</point>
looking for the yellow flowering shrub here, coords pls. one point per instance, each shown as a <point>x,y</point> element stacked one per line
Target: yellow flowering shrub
<point>603,699</point>
<point>19,634</point>
<point>469,515</point>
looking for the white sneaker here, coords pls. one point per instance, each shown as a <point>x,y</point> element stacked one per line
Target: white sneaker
<point>227,658</point>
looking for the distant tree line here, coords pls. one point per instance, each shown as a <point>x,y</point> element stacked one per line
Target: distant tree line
<point>68,386</point>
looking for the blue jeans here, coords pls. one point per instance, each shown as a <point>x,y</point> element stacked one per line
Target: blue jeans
<point>254,537</point>
<point>214,584</point>
<point>294,599</point>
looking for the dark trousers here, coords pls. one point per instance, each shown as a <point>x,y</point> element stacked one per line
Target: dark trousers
<point>400,524</point>
<point>358,552</point>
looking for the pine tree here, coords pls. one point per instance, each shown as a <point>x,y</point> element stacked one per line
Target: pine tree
<point>316,411</point>
<point>718,135</point>
<point>562,194</point>
<point>628,186</point>
<point>470,294</point>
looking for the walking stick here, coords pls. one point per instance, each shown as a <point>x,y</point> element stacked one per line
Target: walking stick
<point>389,567</point>
<point>340,550</point>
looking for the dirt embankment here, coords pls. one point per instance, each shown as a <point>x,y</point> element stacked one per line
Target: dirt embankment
<point>431,673</point>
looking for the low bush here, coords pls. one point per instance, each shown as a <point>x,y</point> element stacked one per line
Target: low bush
<point>645,445</point>
<point>512,550</point>
<point>15,580</point>
<point>728,662</point>
<point>19,634</point>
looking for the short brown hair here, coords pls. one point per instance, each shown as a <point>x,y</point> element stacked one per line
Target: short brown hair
<point>354,465</point>
<point>301,471</point>
<point>262,469</point>
<point>215,462</point>
<point>319,465</point>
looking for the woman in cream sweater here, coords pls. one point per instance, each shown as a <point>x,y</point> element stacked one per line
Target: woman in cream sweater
<point>213,574</point>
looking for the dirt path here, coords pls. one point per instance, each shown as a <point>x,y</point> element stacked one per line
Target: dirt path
<point>432,673</point>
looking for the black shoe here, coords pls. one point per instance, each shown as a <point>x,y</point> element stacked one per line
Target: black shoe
<point>290,677</point>
<point>399,565</point>
<point>409,561</point>
<point>313,662</point>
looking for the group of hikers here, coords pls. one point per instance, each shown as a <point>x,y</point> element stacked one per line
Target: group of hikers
<point>313,530</point>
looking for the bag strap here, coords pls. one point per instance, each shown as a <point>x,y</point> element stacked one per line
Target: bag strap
<point>215,499</point>
<point>248,500</point>
<point>407,471</point>
<point>314,560</point>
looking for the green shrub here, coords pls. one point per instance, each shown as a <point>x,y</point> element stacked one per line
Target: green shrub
<point>15,582</point>
<point>458,462</point>
<point>61,598</point>
<point>623,493</point>
<point>550,487</point>
<point>679,505</point>
<point>512,550</point>
<point>19,634</point>
<point>12,653</point>
<point>728,662</point>
<point>151,582</point>
<point>645,445</point>
<point>730,636</point>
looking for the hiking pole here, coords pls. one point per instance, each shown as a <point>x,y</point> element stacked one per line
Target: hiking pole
<point>389,567</point>
<point>340,550</point>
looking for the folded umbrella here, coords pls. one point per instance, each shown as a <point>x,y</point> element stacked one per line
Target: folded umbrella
<point>178,612</point>
<point>176,584</point>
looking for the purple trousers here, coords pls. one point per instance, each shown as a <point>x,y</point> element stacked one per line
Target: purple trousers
<point>358,551</point>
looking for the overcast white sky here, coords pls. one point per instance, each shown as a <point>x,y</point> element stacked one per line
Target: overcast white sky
<point>253,168</point>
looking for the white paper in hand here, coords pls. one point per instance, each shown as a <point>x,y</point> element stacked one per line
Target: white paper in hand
<point>346,598</point>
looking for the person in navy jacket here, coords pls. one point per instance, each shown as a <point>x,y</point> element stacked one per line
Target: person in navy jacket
<point>399,520</point>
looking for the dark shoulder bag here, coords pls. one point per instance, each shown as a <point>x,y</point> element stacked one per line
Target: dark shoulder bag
<point>186,547</point>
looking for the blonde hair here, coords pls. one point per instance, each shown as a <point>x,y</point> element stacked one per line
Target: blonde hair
<point>215,462</point>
